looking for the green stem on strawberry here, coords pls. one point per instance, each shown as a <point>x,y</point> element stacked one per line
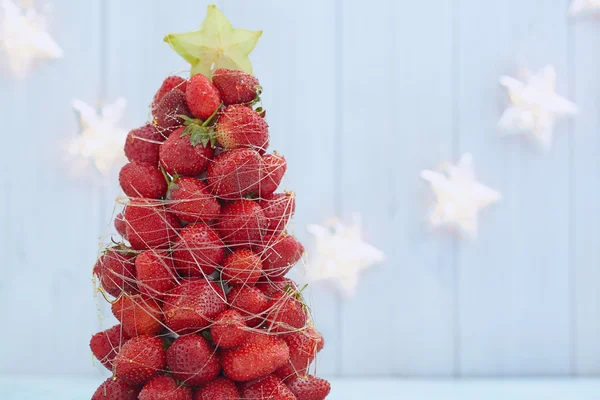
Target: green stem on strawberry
<point>164,173</point>
<point>205,123</point>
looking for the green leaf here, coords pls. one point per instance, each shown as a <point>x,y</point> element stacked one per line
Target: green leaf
<point>216,44</point>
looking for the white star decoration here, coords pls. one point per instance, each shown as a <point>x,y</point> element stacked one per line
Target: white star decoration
<point>535,106</point>
<point>579,7</point>
<point>24,38</point>
<point>101,140</point>
<point>459,196</point>
<point>340,253</point>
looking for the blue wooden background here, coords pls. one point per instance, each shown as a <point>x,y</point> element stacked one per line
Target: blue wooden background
<point>361,96</point>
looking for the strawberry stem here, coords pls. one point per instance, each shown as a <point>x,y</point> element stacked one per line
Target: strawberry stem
<point>205,123</point>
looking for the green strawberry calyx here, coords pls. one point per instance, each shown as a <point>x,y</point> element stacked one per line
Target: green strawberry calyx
<point>198,131</point>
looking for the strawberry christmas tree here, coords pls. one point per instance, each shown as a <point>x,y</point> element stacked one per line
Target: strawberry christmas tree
<point>198,281</point>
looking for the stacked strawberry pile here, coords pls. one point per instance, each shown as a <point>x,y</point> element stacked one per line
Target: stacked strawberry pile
<point>198,282</point>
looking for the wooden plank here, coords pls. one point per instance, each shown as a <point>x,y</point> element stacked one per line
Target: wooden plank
<point>397,106</point>
<point>50,221</point>
<point>586,215</point>
<point>294,61</point>
<point>514,280</point>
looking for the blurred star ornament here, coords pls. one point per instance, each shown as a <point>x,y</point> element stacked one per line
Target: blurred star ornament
<point>535,106</point>
<point>215,45</point>
<point>580,7</point>
<point>24,38</point>
<point>340,253</point>
<point>459,196</point>
<point>101,139</point>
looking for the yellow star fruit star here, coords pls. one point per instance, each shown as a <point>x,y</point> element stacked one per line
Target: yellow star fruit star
<point>215,45</point>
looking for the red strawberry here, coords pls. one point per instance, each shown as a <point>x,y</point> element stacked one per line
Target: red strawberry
<point>165,388</point>
<point>172,82</point>
<point>242,267</point>
<point>202,97</point>
<point>192,201</point>
<point>235,86</point>
<point>278,209</point>
<point>270,387</point>
<point>121,225</point>
<point>309,387</point>
<point>116,271</point>
<point>275,289</point>
<point>303,346</point>
<point>259,355</point>
<point>279,255</point>
<point>179,156</point>
<point>234,173</point>
<point>250,302</point>
<point>219,389</point>
<point>229,330</point>
<point>274,167</point>
<point>193,360</point>
<point>241,126</point>
<point>242,223</point>
<point>168,112</point>
<point>193,305</point>
<point>115,389</point>
<point>140,359</point>
<point>198,251</point>
<point>142,180</point>
<point>149,225</point>
<point>105,345</point>
<point>138,315</point>
<point>286,313</point>
<point>155,273</point>
<point>142,144</point>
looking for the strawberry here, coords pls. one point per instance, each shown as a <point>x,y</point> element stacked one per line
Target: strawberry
<point>138,315</point>
<point>116,271</point>
<point>275,289</point>
<point>172,82</point>
<point>309,387</point>
<point>198,251</point>
<point>241,126</point>
<point>278,209</point>
<point>155,273</point>
<point>248,301</point>
<point>142,180</point>
<point>105,345</point>
<point>235,86</point>
<point>149,225</point>
<point>242,223</point>
<point>168,112</point>
<point>270,387</point>
<point>142,144</point>
<point>286,313</point>
<point>121,225</point>
<point>304,346</point>
<point>273,169</point>
<point>202,97</point>
<point>259,355</point>
<point>164,387</point>
<point>279,254</point>
<point>140,359</point>
<point>192,201</point>
<point>178,155</point>
<point>219,389</point>
<point>115,389</point>
<point>229,329</point>
<point>193,360</point>
<point>234,173</point>
<point>193,305</point>
<point>242,267</point>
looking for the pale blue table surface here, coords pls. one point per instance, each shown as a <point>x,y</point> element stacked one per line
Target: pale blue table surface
<point>51,388</point>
